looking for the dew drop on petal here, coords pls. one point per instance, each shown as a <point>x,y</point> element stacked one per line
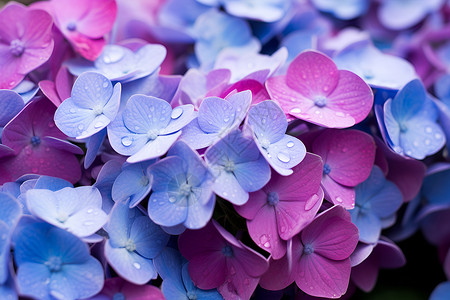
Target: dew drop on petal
<point>340,114</point>
<point>126,141</point>
<point>311,202</point>
<point>295,111</point>
<point>339,200</point>
<point>267,244</point>
<point>438,136</point>
<point>283,157</point>
<point>427,142</point>
<point>176,113</point>
<point>428,129</point>
<point>90,210</point>
<point>172,199</point>
<point>72,110</point>
<point>105,84</point>
<point>137,265</point>
<point>80,127</point>
<point>98,124</point>
<point>88,223</point>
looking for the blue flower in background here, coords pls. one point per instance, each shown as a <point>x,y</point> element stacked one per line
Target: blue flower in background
<point>119,63</point>
<point>134,241</point>
<point>216,118</point>
<point>53,263</point>
<point>133,183</point>
<point>182,189</point>
<point>105,180</point>
<point>26,89</point>
<point>345,10</point>
<point>376,202</point>
<point>441,292</point>
<point>12,103</point>
<point>147,127</point>
<point>78,210</point>
<point>410,120</point>
<point>268,125</point>
<point>238,167</point>
<point>93,104</point>
<point>177,283</point>
<point>260,10</point>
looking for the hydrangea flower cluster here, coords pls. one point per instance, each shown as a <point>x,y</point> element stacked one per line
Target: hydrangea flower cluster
<point>220,149</point>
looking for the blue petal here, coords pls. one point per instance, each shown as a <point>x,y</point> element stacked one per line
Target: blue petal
<point>253,175</point>
<point>116,63</point>
<point>120,222</point>
<point>227,186</point>
<point>387,200</point>
<point>215,115</point>
<point>409,101</point>
<point>132,182</point>
<point>167,210</point>
<point>173,290</point>
<point>105,179</point>
<point>86,221</point>
<point>150,57</point>
<point>368,224</point>
<point>154,148</point>
<point>93,147</point>
<point>168,174</point>
<point>187,281</point>
<point>200,208</point>
<point>10,211</point>
<point>195,137</point>
<point>52,183</point>
<point>91,89</point>
<point>441,292</point>
<point>180,117</point>
<point>285,154</point>
<point>123,140</point>
<point>241,102</point>
<point>12,104</point>
<point>196,169</point>
<point>8,290</point>
<point>32,280</point>
<point>148,237</point>
<point>130,265</point>
<point>4,252</point>
<point>168,264</point>
<point>267,121</point>
<point>73,120</point>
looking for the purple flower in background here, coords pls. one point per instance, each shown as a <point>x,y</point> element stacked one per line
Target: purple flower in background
<point>93,104</point>
<point>147,127</point>
<point>83,23</point>
<point>53,263</point>
<point>319,257</point>
<point>377,201</point>
<point>78,210</point>
<point>238,167</point>
<point>33,144</point>
<point>25,42</point>
<point>216,118</point>
<point>345,10</point>
<point>119,63</point>
<point>117,288</point>
<point>133,241</point>
<point>348,157</point>
<point>267,124</point>
<point>218,260</point>
<point>283,207</point>
<point>314,90</point>
<point>182,191</point>
<point>410,120</point>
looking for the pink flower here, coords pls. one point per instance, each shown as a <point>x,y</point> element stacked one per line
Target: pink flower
<point>25,42</point>
<point>314,90</point>
<point>117,288</point>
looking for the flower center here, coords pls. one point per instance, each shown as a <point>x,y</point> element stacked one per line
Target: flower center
<point>227,251</point>
<point>54,264</point>
<point>72,26</point>
<point>229,166</point>
<point>272,198</point>
<point>35,141</point>
<point>320,101</point>
<point>326,169</point>
<point>152,134</point>
<point>308,249</point>
<point>130,245</point>
<point>185,189</point>
<point>119,296</point>
<point>16,47</point>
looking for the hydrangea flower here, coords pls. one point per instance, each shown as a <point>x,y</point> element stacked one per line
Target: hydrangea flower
<point>105,181</point>
<point>283,207</point>
<point>182,189</point>
<point>119,63</point>
<point>314,90</point>
<point>93,104</point>
<point>33,144</point>
<point>83,23</point>
<point>216,118</point>
<point>78,210</point>
<point>218,260</point>
<point>25,42</point>
<point>319,257</point>
<point>53,263</point>
<point>264,10</point>
<point>268,125</point>
<point>348,157</point>
<point>147,127</point>
<point>117,288</point>
<point>377,200</point>
<point>410,120</point>
<point>177,283</point>
<point>133,241</point>
<point>238,167</point>
<point>58,90</point>
<point>345,10</point>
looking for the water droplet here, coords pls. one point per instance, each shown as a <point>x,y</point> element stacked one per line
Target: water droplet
<point>326,88</point>
<point>340,114</point>
<point>344,149</point>
<point>176,113</point>
<point>428,130</point>
<point>80,127</point>
<point>338,200</point>
<point>90,210</point>
<point>105,84</point>
<point>72,110</point>
<point>226,119</point>
<point>137,265</point>
<point>427,142</point>
<point>283,229</point>
<point>113,55</point>
<point>284,157</point>
<point>317,112</point>
<point>127,141</point>
<point>225,194</point>
<point>98,124</point>
<point>88,223</point>
<point>311,202</point>
<point>438,136</point>
<point>263,239</point>
<point>267,244</point>
<point>295,111</point>
<point>172,199</point>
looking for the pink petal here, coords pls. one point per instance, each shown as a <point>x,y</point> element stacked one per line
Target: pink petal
<point>99,18</point>
<point>338,194</point>
<point>237,285</point>
<point>349,153</point>
<point>259,92</point>
<point>49,89</point>
<point>312,74</point>
<point>208,270</point>
<point>365,275</point>
<point>64,83</point>
<point>207,237</point>
<point>87,47</point>
<point>251,261</point>
<point>141,292</point>
<point>255,202</point>
<point>278,276</point>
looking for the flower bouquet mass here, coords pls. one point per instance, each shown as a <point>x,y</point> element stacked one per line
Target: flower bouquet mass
<point>225,149</point>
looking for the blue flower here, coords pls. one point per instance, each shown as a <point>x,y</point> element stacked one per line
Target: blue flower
<point>182,189</point>
<point>147,127</point>
<point>177,283</point>
<point>119,63</point>
<point>441,292</point>
<point>238,167</point>
<point>134,240</point>
<point>8,289</point>
<point>410,120</point>
<point>132,183</point>
<point>344,10</point>
<point>53,263</point>
<point>268,125</point>
<point>93,104</point>
<point>105,180</point>
<point>77,210</point>
<point>261,10</point>
<point>216,118</point>
<point>376,202</point>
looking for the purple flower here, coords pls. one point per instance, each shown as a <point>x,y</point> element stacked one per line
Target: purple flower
<point>117,288</point>
<point>25,42</point>
<point>283,207</point>
<point>218,260</point>
<point>314,90</point>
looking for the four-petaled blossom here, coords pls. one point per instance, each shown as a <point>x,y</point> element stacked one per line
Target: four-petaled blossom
<point>93,104</point>
<point>147,127</point>
<point>283,207</point>
<point>267,124</point>
<point>218,260</point>
<point>25,42</point>
<point>314,90</point>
